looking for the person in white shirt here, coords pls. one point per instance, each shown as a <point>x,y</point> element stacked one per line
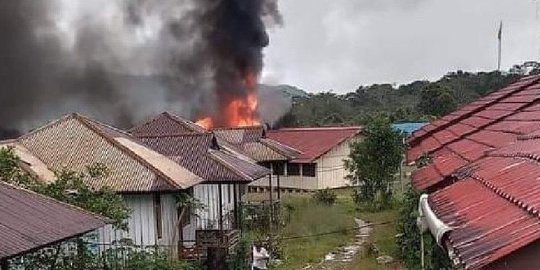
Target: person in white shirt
<point>260,257</point>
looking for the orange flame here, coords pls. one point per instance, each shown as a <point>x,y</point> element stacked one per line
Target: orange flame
<point>205,122</point>
<point>239,112</point>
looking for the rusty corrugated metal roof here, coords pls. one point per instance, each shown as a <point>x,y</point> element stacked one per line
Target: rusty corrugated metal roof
<point>194,152</point>
<point>29,221</point>
<point>252,142</point>
<point>191,146</point>
<point>495,210</point>
<point>486,226</point>
<point>167,124</point>
<point>467,110</point>
<point>313,142</point>
<point>467,134</point>
<point>75,142</point>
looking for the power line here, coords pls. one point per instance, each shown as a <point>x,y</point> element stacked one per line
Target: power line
<point>337,231</point>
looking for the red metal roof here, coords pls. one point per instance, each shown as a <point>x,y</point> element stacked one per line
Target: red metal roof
<point>313,142</point>
<point>486,226</point>
<point>29,221</point>
<point>493,121</point>
<point>495,210</point>
<point>477,106</point>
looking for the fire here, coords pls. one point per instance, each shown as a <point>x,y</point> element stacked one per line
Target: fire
<point>205,122</point>
<point>241,111</point>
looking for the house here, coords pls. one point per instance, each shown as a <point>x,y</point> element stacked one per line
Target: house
<point>321,162</point>
<point>480,171</point>
<point>148,181</point>
<point>253,144</point>
<point>465,135</point>
<point>225,174</point>
<point>31,221</point>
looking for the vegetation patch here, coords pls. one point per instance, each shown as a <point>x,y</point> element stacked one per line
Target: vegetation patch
<point>314,229</point>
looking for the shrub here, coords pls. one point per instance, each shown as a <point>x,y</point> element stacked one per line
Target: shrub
<point>325,196</point>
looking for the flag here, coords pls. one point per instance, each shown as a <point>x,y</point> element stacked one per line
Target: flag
<point>499,34</point>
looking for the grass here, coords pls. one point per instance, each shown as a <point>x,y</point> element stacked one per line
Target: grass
<point>311,218</point>
<point>383,236</point>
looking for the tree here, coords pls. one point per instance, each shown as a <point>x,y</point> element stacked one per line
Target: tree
<point>374,162</point>
<point>436,100</point>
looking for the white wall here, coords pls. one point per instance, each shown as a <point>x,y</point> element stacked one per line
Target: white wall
<point>330,172</point>
<point>142,223</point>
<point>142,229</point>
<point>208,195</point>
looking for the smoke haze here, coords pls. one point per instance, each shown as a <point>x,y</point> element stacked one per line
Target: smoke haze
<point>120,60</point>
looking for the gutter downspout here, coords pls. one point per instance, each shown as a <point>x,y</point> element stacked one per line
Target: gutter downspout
<point>428,220</point>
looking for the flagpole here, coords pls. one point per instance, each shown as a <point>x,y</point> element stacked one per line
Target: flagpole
<point>500,47</point>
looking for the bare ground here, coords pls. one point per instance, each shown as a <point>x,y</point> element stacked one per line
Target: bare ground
<point>344,256</point>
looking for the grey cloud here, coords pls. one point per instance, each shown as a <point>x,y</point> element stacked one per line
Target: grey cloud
<point>344,43</point>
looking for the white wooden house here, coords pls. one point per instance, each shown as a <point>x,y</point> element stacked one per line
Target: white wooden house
<point>300,158</point>
<point>321,162</point>
<point>148,180</point>
<point>225,175</point>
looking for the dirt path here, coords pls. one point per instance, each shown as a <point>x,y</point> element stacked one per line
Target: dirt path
<point>342,257</point>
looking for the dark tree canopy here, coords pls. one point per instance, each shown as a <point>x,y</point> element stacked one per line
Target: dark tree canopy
<point>436,100</point>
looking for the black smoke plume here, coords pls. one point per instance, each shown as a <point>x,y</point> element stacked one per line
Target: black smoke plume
<point>60,56</point>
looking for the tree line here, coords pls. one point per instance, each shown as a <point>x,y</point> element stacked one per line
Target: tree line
<point>419,101</point>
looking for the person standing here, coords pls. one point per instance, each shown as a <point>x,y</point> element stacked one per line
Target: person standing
<point>260,257</point>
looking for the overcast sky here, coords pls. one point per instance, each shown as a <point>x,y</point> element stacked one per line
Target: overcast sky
<point>341,44</point>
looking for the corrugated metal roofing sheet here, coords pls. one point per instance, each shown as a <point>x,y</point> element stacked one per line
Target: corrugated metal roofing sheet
<point>313,142</point>
<point>479,105</point>
<point>495,210</point>
<point>29,221</point>
<point>75,142</point>
<point>494,125</point>
<point>193,151</point>
<point>167,124</point>
<point>486,226</point>
<point>251,142</point>
<point>185,142</point>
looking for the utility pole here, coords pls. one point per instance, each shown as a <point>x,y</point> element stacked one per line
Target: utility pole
<point>537,17</point>
<point>499,37</point>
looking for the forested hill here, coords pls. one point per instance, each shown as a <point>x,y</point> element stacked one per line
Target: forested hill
<point>417,101</point>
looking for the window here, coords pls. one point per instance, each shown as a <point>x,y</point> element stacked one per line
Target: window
<point>309,169</point>
<point>157,215</point>
<point>293,169</point>
<point>279,168</point>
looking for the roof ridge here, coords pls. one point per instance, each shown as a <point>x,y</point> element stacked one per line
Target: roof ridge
<point>482,127</point>
<point>185,122</point>
<point>173,135</point>
<point>238,128</point>
<point>91,125</point>
<point>48,125</point>
<point>266,141</point>
<point>508,197</point>
<point>227,165</point>
<point>315,129</point>
<point>531,81</point>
